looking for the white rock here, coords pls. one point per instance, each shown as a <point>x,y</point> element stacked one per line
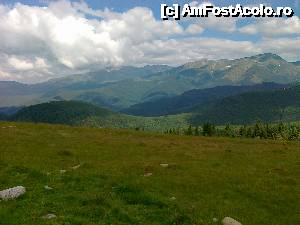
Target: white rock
<point>165,165</point>
<point>12,193</point>
<point>148,174</point>
<point>48,188</point>
<point>230,221</point>
<point>62,171</point>
<point>173,198</point>
<point>49,216</point>
<point>75,167</point>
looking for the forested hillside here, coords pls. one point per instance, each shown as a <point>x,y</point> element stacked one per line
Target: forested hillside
<point>86,114</point>
<point>198,97</point>
<point>247,108</point>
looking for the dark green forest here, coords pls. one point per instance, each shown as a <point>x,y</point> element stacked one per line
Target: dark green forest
<point>280,131</point>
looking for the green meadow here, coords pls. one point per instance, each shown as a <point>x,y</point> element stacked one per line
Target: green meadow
<point>111,176</point>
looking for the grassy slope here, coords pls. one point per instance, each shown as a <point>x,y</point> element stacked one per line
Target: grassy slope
<point>256,182</point>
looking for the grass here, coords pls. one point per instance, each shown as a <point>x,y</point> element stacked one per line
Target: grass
<point>254,181</point>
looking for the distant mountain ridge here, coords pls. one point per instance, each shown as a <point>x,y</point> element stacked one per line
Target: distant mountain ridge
<point>127,86</point>
<point>267,105</point>
<point>74,81</point>
<point>15,94</point>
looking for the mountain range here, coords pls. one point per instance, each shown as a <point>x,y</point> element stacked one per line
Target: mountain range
<point>269,103</point>
<point>263,87</point>
<point>123,87</point>
<point>80,86</point>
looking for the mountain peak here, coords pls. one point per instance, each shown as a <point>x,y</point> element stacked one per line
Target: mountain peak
<point>266,56</point>
<point>197,63</point>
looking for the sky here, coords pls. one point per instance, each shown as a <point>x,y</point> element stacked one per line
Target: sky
<point>44,39</point>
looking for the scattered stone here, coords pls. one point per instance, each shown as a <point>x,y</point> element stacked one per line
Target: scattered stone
<point>62,171</point>
<point>49,216</point>
<point>215,220</point>
<point>8,127</point>
<point>164,165</point>
<point>173,198</point>
<point>47,187</point>
<point>148,174</point>
<point>12,193</point>
<point>75,167</point>
<point>230,221</point>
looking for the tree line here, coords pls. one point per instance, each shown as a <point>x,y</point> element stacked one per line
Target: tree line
<point>258,130</point>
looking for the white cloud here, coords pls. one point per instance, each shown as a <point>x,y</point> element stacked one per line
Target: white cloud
<point>70,42</point>
<point>223,24</point>
<point>273,27</point>
<point>38,43</point>
<point>20,64</point>
<point>176,52</point>
<point>194,29</point>
<point>288,48</point>
<point>4,75</point>
<point>40,63</point>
